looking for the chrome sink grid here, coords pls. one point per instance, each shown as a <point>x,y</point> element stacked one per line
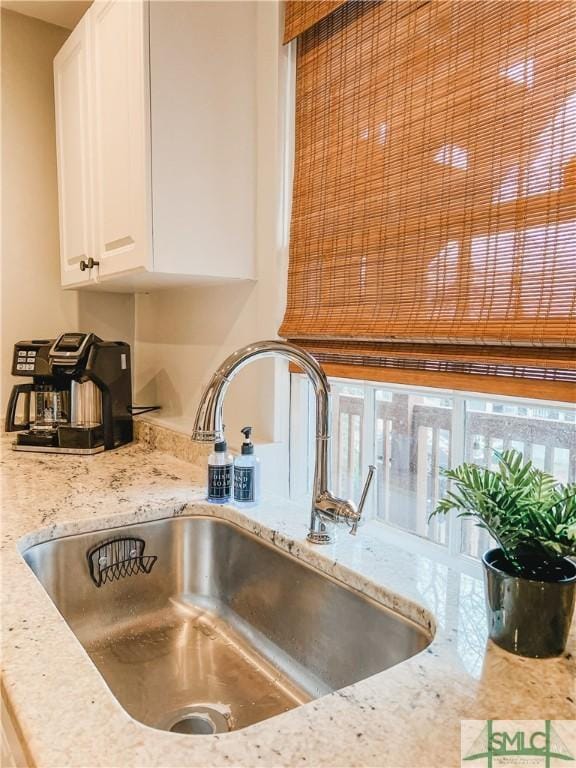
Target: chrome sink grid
<point>226,630</point>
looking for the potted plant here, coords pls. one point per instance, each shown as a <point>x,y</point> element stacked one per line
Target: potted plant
<point>530,579</point>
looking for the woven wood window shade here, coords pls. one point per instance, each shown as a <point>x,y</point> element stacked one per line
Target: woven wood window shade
<point>434,203</point>
<point>300,15</point>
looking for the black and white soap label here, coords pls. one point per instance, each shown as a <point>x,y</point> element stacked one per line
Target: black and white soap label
<point>244,483</point>
<point>219,481</point>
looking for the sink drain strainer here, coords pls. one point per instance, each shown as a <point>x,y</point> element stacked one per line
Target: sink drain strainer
<point>199,719</point>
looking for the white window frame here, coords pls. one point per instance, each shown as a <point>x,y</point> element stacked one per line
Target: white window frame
<point>302,425</point>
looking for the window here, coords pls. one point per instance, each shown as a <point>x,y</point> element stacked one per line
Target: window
<point>431,248</point>
<point>410,434</point>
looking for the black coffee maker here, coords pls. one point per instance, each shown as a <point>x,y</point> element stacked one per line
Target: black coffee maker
<point>80,397</point>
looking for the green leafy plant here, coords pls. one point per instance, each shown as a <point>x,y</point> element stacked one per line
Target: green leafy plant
<point>526,510</point>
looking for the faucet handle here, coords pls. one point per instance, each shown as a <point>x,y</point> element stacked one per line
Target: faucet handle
<point>367,484</point>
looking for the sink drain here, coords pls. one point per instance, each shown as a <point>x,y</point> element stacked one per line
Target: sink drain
<point>199,724</point>
<point>199,720</point>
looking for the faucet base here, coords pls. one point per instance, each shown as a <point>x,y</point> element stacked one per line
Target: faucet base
<point>315,537</point>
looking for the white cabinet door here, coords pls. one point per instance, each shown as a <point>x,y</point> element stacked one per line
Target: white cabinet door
<point>71,91</point>
<point>120,119</point>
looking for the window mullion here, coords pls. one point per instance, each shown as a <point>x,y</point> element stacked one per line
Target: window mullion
<point>299,457</point>
<point>369,447</point>
<point>457,448</point>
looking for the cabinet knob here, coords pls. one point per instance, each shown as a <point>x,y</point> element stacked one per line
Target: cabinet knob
<point>84,265</point>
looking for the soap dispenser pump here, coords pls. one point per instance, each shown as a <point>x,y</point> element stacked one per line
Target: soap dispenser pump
<point>247,473</point>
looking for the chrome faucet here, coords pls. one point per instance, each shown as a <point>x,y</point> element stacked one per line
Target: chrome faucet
<point>326,507</point>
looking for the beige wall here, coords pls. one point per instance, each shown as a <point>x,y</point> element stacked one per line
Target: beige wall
<point>32,303</point>
<point>182,335</point>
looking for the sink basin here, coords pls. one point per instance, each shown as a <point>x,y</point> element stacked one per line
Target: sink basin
<point>198,626</point>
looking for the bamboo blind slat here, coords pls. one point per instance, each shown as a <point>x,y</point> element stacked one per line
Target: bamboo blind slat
<point>435,176</point>
<point>300,15</point>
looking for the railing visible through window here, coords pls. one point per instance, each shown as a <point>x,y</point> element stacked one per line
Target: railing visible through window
<point>411,434</point>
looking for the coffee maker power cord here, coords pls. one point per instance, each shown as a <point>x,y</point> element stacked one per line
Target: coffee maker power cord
<point>138,410</point>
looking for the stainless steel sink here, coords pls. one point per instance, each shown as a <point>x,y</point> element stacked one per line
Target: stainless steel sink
<point>198,626</point>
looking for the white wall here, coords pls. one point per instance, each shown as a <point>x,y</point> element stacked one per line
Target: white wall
<point>32,303</point>
<point>183,334</point>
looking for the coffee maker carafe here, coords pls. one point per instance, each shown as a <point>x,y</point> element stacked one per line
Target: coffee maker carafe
<point>80,397</point>
<point>37,407</point>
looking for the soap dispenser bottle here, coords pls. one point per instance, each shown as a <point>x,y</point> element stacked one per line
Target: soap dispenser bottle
<point>247,473</point>
<point>220,464</point>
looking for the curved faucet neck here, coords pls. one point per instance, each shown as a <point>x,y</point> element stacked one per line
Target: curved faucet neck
<point>208,424</point>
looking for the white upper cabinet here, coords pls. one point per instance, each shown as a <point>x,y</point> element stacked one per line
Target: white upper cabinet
<point>74,182</point>
<point>156,124</point>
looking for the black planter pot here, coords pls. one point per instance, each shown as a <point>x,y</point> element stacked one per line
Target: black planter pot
<point>529,616</point>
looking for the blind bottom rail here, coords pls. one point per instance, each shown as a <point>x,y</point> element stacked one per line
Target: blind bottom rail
<point>542,381</point>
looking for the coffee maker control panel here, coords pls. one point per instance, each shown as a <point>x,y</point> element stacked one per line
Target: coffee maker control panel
<point>31,358</point>
<point>38,357</point>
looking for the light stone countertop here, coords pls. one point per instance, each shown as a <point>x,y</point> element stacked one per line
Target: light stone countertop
<point>408,715</point>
